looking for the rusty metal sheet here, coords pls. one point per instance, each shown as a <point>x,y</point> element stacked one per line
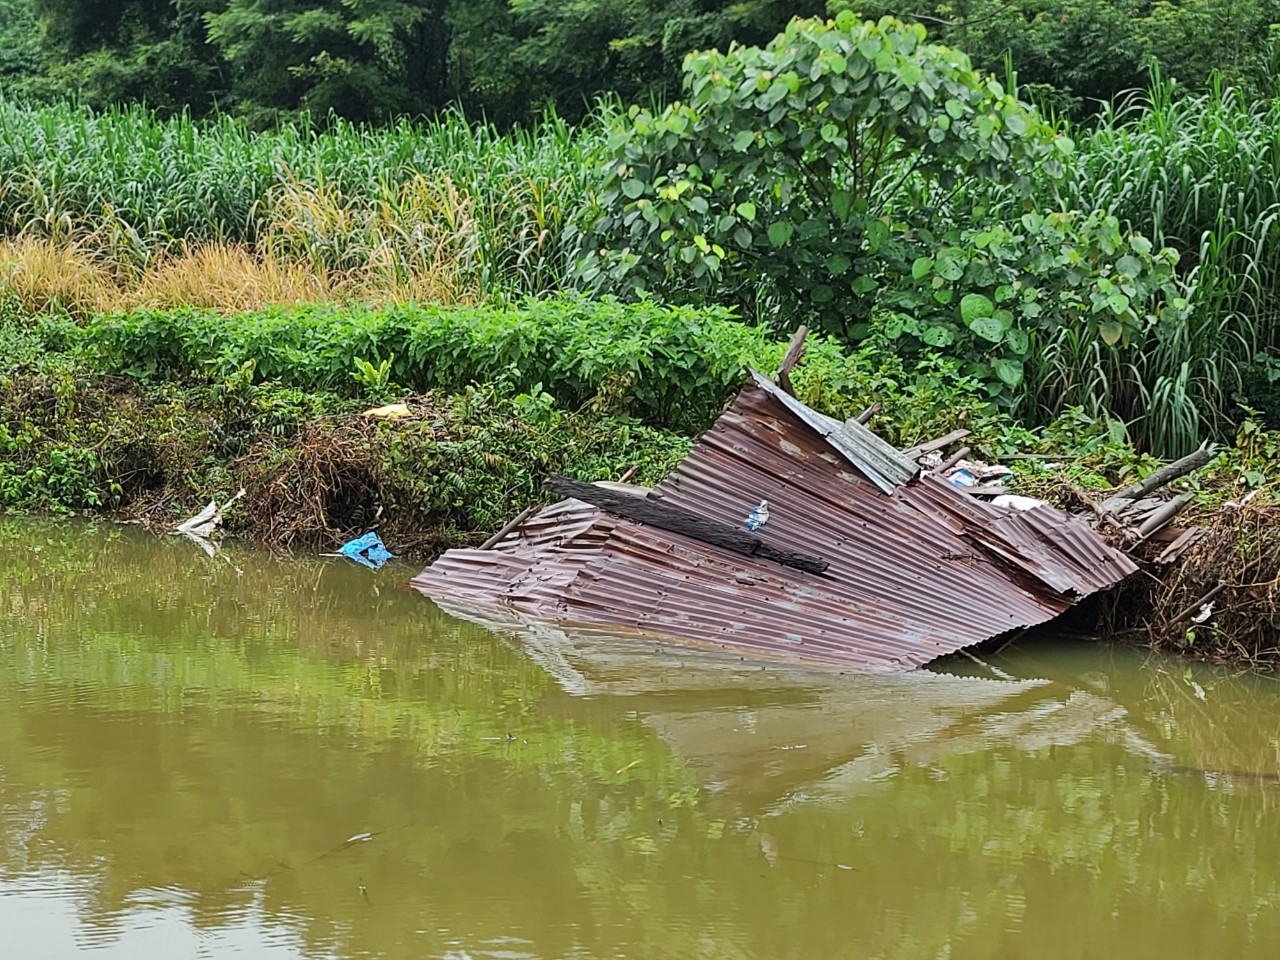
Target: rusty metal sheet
<point>881,462</point>
<point>914,574</point>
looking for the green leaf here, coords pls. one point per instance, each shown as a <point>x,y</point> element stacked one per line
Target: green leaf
<point>950,267</point>
<point>838,264</point>
<point>1140,245</point>
<point>1018,341</point>
<point>1111,332</point>
<point>842,203</point>
<point>743,139</point>
<point>632,188</point>
<point>954,108</point>
<point>747,211</point>
<point>863,284</point>
<point>988,328</point>
<point>921,267</point>
<point>822,293</point>
<point>780,232</point>
<point>1010,371</point>
<point>938,336</point>
<point>974,306</point>
<point>1128,266</point>
<point>877,234</point>
<point>1118,303</point>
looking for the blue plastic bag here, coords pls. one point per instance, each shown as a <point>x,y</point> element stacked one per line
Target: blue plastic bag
<point>367,550</point>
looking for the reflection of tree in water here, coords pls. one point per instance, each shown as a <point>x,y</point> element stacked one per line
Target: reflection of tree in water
<point>176,732</point>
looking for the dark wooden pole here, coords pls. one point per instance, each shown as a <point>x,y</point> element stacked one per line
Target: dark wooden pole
<point>655,513</point>
<point>510,525</point>
<point>1165,475</point>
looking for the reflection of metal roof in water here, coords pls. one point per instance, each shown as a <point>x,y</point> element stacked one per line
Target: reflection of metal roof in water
<point>917,568</point>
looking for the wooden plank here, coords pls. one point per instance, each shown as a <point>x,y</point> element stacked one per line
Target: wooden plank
<point>914,453</point>
<point>794,354</point>
<point>985,491</point>
<point>1165,475</point>
<point>510,525</point>
<point>655,513</point>
<point>1189,537</point>
<point>952,460</point>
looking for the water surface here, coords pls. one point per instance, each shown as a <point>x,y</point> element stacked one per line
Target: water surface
<point>252,756</point>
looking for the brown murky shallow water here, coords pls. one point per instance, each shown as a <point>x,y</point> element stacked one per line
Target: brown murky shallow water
<point>291,757</point>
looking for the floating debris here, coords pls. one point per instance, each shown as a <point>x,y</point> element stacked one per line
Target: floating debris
<point>205,524</point>
<point>367,550</point>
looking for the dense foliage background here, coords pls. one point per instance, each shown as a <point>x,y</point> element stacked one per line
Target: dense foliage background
<point>1067,207</point>
<point>511,59</point>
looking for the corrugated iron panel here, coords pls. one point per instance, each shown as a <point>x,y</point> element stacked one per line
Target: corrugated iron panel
<point>915,574</point>
<point>878,459</point>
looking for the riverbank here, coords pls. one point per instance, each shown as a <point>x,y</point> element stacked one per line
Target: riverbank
<point>149,415</point>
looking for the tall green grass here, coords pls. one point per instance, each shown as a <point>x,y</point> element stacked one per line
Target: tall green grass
<point>1200,174</point>
<point>133,187</point>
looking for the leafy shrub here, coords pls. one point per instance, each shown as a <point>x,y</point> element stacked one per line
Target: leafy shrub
<point>793,164</point>
<point>668,366</point>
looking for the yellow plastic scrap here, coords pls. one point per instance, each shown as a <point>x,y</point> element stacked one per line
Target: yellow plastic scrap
<point>392,411</point>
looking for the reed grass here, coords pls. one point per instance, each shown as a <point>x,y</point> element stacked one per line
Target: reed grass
<point>120,209</point>
<point>439,197</point>
<point>1200,174</point>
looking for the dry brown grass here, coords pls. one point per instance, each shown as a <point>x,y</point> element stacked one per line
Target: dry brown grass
<point>45,275</point>
<point>1237,564</point>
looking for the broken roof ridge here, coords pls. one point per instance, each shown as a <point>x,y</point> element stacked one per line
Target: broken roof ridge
<point>880,461</point>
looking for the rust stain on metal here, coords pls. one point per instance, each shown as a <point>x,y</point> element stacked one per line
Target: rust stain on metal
<point>917,568</point>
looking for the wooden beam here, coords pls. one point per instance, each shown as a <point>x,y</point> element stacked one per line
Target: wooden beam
<point>655,513</point>
<point>913,453</point>
<point>1187,612</point>
<point>794,354</point>
<point>1163,516</point>
<point>952,460</point>
<point>510,525</point>
<point>868,413</point>
<point>1165,475</point>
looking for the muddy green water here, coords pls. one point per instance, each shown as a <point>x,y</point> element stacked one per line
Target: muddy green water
<point>265,757</point>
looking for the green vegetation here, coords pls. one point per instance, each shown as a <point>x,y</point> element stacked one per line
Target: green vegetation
<point>74,434</point>
<point>481,210</point>
<point>850,175</point>
<point>157,411</point>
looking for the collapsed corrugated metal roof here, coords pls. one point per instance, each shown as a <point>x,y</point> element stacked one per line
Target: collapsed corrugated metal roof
<point>915,567</point>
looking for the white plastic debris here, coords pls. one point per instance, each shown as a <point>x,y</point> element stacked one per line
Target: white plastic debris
<point>1205,612</point>
<point>758,517</point>
<point>204,523</point>
<point>1233,505</point>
